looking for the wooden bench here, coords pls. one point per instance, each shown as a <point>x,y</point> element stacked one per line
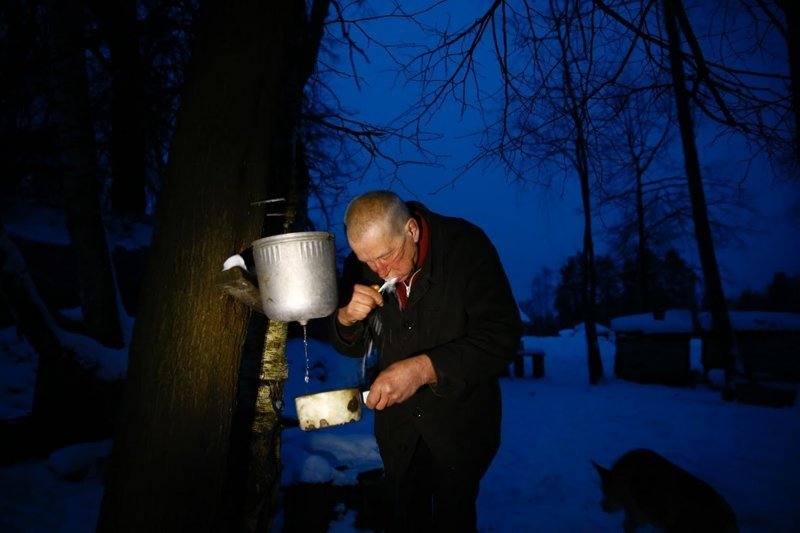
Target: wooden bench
<point>537,358</point>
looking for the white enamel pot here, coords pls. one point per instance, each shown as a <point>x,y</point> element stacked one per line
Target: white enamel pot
<point>330,408</point>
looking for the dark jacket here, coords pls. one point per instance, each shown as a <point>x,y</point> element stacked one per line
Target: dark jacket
<point>461,312</point>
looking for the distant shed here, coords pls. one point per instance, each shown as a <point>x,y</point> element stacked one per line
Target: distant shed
<point>768,342</point>
<point>654,347</point>
<point>602,331</point>
<point>529,347</point>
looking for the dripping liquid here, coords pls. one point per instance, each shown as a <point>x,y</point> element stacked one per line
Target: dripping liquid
<point>305,348</point>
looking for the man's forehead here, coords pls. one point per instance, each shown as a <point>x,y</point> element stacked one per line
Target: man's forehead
<point>375,233</point>
<point>372,244</point>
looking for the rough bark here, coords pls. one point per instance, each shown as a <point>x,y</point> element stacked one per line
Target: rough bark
<point>263,480</point>
<point>128,113</point>
<point>721,324</point>
<point>76,149</point>
<point>170,466</point>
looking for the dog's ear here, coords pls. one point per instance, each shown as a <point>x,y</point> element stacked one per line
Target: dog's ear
<point>604,472</point>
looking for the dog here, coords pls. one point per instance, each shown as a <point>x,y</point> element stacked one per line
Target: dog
<point>653,491</point>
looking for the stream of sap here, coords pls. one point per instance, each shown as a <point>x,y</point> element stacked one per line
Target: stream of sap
<point>305,348</point>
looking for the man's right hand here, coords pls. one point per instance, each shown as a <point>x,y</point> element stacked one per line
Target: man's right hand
<point>364,300</point>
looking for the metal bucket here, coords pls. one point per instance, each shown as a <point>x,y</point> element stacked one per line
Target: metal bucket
<point>297,275</point>
<point>331,408</point>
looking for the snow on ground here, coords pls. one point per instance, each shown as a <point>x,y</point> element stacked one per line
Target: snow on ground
<point>35,499</point>
<point>542,478</point>
<point>17,375</point>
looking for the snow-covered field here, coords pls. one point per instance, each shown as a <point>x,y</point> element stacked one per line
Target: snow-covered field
<point>542,478</point>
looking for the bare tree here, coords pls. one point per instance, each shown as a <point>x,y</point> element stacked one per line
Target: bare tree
<point>738,95</point>
<point>721,323</point>
<point>644,201</point>
<point>791,34</point>
<point>771,21</point>
<point>76,149</point>
<point>540,305</point>
<point>738,77</point>
<point>24,129</point>
<point>119,26</point>
<point>633,144</point>
<point>576,102</point>
<point>770,17</point>
<point>552,77</point>
<point>70,402</point>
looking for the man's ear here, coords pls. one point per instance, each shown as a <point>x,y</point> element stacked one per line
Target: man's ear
<point>413,229</point>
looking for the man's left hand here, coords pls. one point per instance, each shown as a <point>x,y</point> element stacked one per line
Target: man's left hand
<point>400,381</point>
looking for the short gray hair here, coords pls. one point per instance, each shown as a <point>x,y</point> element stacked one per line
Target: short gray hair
<point>382,207</point>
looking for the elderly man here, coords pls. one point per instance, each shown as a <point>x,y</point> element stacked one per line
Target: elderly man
<point>444,335</point>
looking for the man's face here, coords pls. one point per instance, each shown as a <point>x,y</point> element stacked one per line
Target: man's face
<point>387,254</point>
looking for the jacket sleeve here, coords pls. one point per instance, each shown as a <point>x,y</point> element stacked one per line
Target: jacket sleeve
<point>492,324</point>
<point>349,340</point>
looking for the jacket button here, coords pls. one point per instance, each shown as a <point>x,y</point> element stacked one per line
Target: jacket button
<point>418,413</point>
<point>408,324</point>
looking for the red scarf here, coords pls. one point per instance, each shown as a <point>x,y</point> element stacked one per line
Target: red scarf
<point>403,289</point>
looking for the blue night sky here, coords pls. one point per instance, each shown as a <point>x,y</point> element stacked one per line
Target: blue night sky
<point>535,227</point>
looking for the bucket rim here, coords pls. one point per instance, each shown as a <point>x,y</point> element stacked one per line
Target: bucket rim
<point>294,237</point>
<point>332,392</point>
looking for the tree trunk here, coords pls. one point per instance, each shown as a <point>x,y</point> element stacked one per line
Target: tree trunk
<point>170,466</point>
<point>578,114</point>
<point>263,475</point>
<point>262,479</point>
<point>70,96</point>
<point>128,112</point>
<point>70,404</point>
<point>642,274</point>
<point>790,11</point>
<point>31,315</point>
<point>721,324</point>
<point>590,278</point>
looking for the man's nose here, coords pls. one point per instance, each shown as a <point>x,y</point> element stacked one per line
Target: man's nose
<point>380,268</point>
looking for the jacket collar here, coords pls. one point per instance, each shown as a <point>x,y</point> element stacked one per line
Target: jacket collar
<point>425,253</point>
